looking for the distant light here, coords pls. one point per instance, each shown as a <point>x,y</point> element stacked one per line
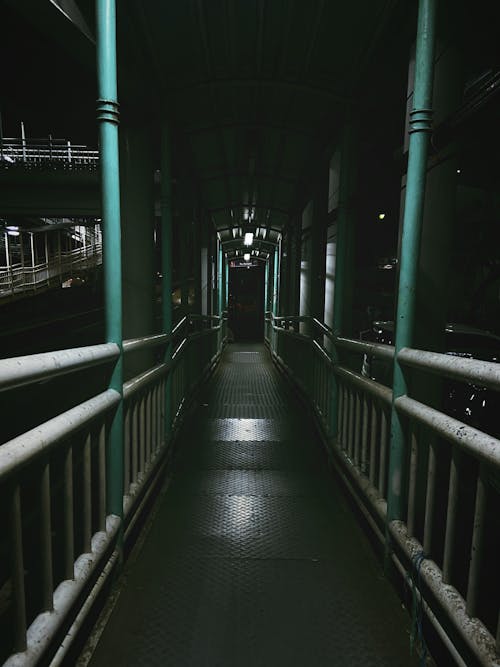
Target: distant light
<point>381,216</point>
<point>459,171</point>
<point>248,239</point>
<point>246,257</point>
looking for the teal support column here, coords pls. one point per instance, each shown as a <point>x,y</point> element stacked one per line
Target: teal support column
<point>420,129</point>
<point>226,285</point>
<point>266,286</point>
<point>166,261</point>
<point>107,116</point>
<point>220,284</point>
<point>275,282</point>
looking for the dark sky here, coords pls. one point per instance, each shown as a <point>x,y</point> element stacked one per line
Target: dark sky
<point>43,85</point>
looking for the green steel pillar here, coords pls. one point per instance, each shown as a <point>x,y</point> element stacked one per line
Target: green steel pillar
<point>220,284</point>
<point>420,129</point>
<point>266,286</point>
<point>166,261</point>
<point>107,116</point>
<point>275,281</point>
<point>226,285</point>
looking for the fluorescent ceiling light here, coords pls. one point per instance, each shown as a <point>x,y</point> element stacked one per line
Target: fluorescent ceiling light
<point>246,257</point>
<point>248,239</point>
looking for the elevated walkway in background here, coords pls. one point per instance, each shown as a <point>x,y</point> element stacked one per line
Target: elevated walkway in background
<point>253,557</point>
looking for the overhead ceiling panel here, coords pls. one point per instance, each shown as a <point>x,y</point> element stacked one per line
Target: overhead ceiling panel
<point>259,87</point>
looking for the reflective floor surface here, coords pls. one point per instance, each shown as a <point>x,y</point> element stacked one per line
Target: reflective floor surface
<point>254,558</point>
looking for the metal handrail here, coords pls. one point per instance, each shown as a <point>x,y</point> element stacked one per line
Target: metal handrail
<point>375,389</point>
<point>179,325</point>
<point>378,350</point>
<point>20,371</point>
<point>480,445</point>
<point>139,382</point>
<point>374,349</point>
<point>25,448</point>
<point>146,342</point>
<point>483,373</point>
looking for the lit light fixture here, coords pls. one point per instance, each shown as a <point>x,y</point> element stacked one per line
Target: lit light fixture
<point>459,171</point>
<point>246,257</point>
<point>381,216</point>
<point>248,239</point>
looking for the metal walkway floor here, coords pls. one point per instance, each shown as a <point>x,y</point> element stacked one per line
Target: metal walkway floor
<point>253,558</point>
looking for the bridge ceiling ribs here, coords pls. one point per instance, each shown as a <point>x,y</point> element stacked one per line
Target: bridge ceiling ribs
<point>258,88</point>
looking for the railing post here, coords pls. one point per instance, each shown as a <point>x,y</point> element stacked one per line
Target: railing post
<point>226,284</point>
<point>420,129</point>
<point>275,282</point>
<point>166,262</point>
<point>219,279</point>
<point>266,286</point>
<point>107,116</point>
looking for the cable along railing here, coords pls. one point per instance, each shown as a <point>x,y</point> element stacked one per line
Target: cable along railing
<point>452,478</point>
<point>61,542</point>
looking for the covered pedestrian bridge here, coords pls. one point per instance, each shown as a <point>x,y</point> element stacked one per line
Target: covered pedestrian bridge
<point>246,470</point>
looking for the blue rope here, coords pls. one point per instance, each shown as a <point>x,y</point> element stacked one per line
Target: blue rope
<point>417,613</point>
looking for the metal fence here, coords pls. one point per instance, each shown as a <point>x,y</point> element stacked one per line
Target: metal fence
<point>18,278</point>
<point>61,541</point>
<point>452,478</point>
<point>46,154</point>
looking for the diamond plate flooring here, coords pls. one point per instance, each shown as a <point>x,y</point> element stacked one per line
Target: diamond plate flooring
<point>253,559</point>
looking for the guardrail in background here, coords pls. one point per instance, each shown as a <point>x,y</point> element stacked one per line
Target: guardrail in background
<point>61,542</point>
<point>46,153</point>
<point>17,278</point>
<point>456,558</point>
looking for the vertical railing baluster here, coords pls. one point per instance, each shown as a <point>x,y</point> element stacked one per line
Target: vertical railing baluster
<point>46,540</point>
<point>69,528</point>
<point>477,544</point>
<point>159,438</point>
<point>345,421</point>
<point>382,471</point>
<point>126,447</point>
<point>364,435</point>
<point>101,457</point>
<point>135,440</point>
<point>153,420</point>
<point>87,495</point>
<point>412,482</point>
<point>373,442</point>
<point>142,435</point>
<point>357,430</point>
<point>148,425</point>
<point>451,516</point>
<point>430,497</point>
<point>350,449</point>
<point>162,412</point>
<point>17,569</point>
<point>340,417</point>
